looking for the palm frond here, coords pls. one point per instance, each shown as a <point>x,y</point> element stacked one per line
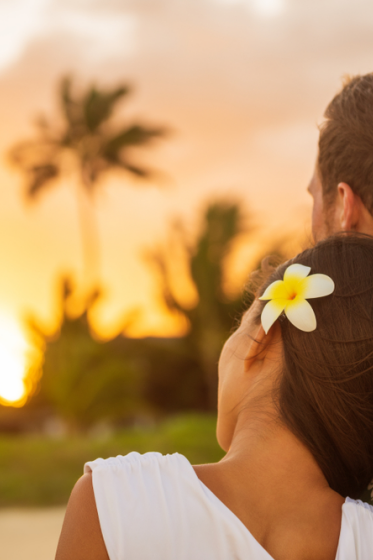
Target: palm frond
<point>134,135</point>
<point>157,258</point>
<point>38,177</point>
<point>33,152</point>
<point>98,105</point>
<point>68,105</point>
<point>135,170</point>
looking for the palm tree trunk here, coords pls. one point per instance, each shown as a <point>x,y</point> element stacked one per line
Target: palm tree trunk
<point>90,235</point>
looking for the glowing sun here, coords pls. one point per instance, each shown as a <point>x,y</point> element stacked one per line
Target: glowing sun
<point>13,348</point>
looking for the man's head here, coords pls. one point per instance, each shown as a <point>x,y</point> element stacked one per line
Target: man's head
<point>342,185</point>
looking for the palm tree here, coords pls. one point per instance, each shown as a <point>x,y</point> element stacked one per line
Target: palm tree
<point>86,136</point>
<point>211,317</point>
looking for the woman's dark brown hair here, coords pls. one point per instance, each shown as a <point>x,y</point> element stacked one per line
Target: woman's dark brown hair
<point>325,392</point>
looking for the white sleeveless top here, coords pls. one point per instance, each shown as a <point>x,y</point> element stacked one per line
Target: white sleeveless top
<point>154,507</point>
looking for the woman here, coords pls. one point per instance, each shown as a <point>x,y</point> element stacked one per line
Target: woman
<point>295,416</point>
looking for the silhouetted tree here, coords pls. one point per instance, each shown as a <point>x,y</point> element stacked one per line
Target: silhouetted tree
<point>85,381</point>
<point>212,317</point>
<point>87,135</point>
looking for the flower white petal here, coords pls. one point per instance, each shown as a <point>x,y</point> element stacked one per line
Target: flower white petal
<point>317,285</point>
<point>274,290</point>
<point>301,315</point>
<point>296,271</point>
<point>272,310</point>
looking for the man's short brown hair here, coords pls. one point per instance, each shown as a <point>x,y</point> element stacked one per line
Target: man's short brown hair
<point>346,141</point>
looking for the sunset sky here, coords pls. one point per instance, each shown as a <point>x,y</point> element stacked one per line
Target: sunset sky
<point>241,84</point>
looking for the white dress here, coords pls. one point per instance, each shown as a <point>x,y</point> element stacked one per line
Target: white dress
<point>154,507</point>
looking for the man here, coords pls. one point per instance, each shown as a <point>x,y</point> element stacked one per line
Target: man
<point>342,184</point>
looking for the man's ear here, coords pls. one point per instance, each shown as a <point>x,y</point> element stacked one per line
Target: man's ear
<point>353,214</point>
<point>259,345</point>
<point>348,205</point>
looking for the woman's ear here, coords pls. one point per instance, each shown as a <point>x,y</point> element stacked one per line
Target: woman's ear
<point>259,345</point>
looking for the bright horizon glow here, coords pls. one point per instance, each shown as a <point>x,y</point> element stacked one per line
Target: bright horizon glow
<point>13,347</point>
<point>12,368</point>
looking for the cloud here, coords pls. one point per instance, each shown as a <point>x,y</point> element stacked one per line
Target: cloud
<point>20,22</point>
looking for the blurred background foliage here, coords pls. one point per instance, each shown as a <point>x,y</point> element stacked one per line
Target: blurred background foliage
<point>85,381</point>
<point>87,396</point>
<point>41,471</point>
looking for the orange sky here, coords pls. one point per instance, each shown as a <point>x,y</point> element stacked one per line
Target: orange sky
<point>242,84</point>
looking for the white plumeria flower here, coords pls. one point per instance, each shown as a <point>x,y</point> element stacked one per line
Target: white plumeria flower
<point>290,295</point>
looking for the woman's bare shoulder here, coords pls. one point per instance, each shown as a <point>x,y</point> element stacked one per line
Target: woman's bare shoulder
<point>81,535</point>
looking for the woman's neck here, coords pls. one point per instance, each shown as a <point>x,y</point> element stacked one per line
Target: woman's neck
<point>269,453</point>
<point>272,483</point>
